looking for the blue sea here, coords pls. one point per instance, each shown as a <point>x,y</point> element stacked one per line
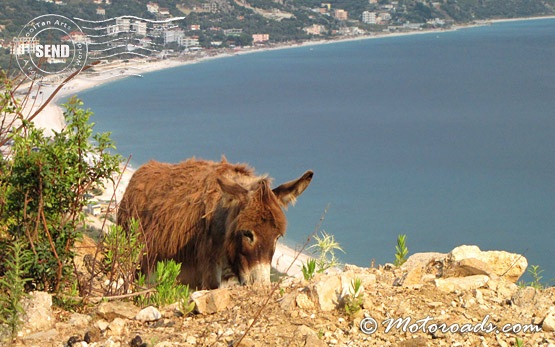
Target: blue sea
<point>447,137</point>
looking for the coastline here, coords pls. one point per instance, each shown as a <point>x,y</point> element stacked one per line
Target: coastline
<point>52,117</point>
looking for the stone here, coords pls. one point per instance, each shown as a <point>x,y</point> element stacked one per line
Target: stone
<point>414,277</point>
<point>452,284</point>
<point>548,323</point>
<point>328,290</point>
<point>309,337</point>
<point>148,314</point>
<point>38,312</point>
<point>102,325</point>
<point>469,267</point>
<point>423,259</point>
<point>164,344</point>
<point>112,343</point>
<point>117,309</point>
<point>503,288</point>
<point>211,301</point>
<point>191,340</point>
<point>118,327</point>
<point>80,320</point>
<point>525,297</point>
<point>287,302</point>
<point>43,335</point>
<point>314,341</point>
<point>303,302</point>
<point>510,266</point>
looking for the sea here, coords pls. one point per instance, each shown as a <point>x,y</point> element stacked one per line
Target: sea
<point>446,137</point>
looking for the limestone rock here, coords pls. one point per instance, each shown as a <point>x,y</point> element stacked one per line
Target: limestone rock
<point>328,291</point>
<point>38,312</point>
<point>101,324</point>
<point>525,297</point>
<point>117,327</point>
<point>504,289</point>
<point>303,302</point>
<point>79,320</point>
<point>470,267</point>
<point>548,323</point>
<point>453,284</point>
<point>117,309</point>
<point>414,276</point>
<point>314,341</point>
<point>418,260</point>
<point>148,314</point>
<point>211,301</point>
<point>309,337</point>
<point>510,266</point>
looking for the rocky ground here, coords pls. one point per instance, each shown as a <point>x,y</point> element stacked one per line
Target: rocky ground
<point>464,298</point>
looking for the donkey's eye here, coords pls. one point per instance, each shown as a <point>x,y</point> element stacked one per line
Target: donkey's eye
<point>249,235</point>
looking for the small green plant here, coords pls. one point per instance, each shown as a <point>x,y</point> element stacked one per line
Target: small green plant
<point>401,251</point>
<point>325,248</point>
<point>122,254</point>
<point>70,299</point>
<point>354,300</point>
<point>12,286</point>
<point>519,342</point>
<point>536,272</point>
<point>167,290</point>
<point>309,269</point>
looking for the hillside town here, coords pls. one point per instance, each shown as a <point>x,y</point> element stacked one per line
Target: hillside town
<point>158,29</point>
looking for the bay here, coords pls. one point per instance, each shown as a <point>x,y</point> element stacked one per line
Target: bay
<point>446,137</point>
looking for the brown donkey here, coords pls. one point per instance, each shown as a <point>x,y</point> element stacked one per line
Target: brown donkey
<point>219,220</point>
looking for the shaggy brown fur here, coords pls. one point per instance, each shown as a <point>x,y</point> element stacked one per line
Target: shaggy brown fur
<point>219,220</point>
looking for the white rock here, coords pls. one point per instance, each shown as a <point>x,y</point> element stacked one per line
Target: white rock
<point>38,312</point>
<point>510,266</point>
<point>549,322</point>
<point>102,324</point>
<point>148,314</point>
<point>79,320</point>
<point>211,301</point>
<point>328,290</point>
<point>303,302</point>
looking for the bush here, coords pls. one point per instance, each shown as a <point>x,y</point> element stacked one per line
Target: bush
<point>44,183</point>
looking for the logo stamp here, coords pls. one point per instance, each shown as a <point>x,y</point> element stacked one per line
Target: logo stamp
<point>50,48</point>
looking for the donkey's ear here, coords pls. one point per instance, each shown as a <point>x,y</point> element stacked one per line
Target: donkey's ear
<point>288,192</point>
<point>231,188</point>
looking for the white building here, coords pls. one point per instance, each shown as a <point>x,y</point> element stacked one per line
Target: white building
<point>24,45</point>
<point>173,35</point>
<point>139,27</point>
<point>369,17</point>
<point>188,41</point>
<point>152,7</point>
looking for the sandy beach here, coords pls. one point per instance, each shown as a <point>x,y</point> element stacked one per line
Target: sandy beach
<point>51,117</point>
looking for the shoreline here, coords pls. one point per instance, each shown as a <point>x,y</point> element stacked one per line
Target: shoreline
<point>51,118</point>
<point>52,115</point>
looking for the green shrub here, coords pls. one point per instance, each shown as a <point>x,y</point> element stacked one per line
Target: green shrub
<point>309,269</point>
<point>325,248</point>
<point>167,289</point>
<point>401,251</point>
<point>12,285</point>
<point>355,299</point>
<point>44,183</point>
<point>122,255</point>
